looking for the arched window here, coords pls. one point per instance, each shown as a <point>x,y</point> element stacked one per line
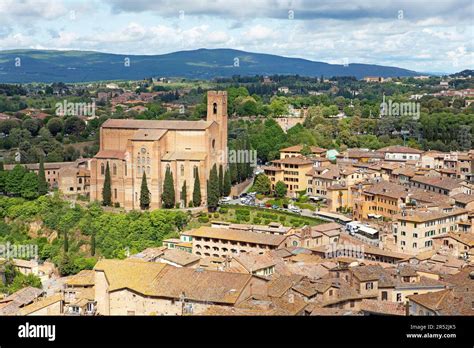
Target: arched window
<point>143,160</point>
<point>143,169</point>
<point>213,144</point>
<point>148,170</point>
<point>148,161</point>
<point>182,170</point>
<point>195,171</point>
<point>102,169</point>
<point>214,108</point>
<point>80,180</point>
<point>114,169</point>
<point>168,166</point>
<point>138,160</point>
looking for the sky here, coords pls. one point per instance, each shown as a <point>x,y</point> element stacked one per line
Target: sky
<point>429,36</point>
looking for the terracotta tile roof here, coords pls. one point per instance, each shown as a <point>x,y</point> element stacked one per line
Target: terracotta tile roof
<point>237,235</point>
<point>279,285</point>
<point>199,285</point>
<point>253,262</point>
<point>154,124</point>
<point>440,182</point>
<point>161,280</point>
<point>83,278</point>
<point>136,275</point>
<point>148,134</point>
<point>423,215</point>
<point>180,257</point>
<point>382,307</point>
<point>388,189</point>
<point>309,288</point>
<point>327,227</point>
<point>272,168</point>
<point>106,154</point>
<point>298,148</point>
<point>45,302</point>
<point>11,304</point>
<point>464,238</point>
<point>299,160</point>
<point>367,273</point>
<point>399,149</point>
<point>463,198</point>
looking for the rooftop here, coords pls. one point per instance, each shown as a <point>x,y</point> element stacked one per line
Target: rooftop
<point>237,235</point>
<point>156,124</point>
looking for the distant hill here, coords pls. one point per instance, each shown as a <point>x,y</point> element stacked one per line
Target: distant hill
<point>464,73</point>
<point>83,66</point>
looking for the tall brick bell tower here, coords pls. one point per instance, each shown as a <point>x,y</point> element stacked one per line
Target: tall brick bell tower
<point>217,112</point>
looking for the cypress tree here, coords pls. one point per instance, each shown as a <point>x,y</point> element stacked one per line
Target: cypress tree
<point>221,181</point>
<point>168,190</point>
<point>107,189</point>
<point>144,193</point>
<point>233,172</point>
<point>184,194</point>
<point>227,184</point>
<point>42,184</point>
<point>3,177</point>
<point>213,189</point>
<point>93,244</point>
<point>66,242</point>
<point>197,189</point>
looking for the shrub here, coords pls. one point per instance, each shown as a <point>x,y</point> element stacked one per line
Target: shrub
<point>203,219</point>
<point>224,210</point>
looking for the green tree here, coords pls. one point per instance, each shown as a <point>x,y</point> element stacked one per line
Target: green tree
<point>42,183</point>
<point>66,242</point>
<point>107,189</point>
<point>144,194</point>
<point>227,184</point>
<point>168,190</point>
<point>213,189</point>
<point>14,180</point>
<point>93,244</point>
<point>55,126</point>
<point>74,125</point>
<point>3,177</point>
<point>197,189</point>
<point>262,184</point>
<point>29,186</point>
<point>280,189</point>
<point>184,194</point>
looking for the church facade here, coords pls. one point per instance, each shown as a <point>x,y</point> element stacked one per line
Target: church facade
<point>132,147</point>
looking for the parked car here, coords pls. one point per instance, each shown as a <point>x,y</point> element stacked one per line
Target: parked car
<point>295,210</point>
<point>274,206</point>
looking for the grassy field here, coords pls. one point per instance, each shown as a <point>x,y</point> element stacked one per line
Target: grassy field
<point>258,216</point>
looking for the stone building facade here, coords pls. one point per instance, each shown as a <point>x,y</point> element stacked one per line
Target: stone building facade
<point>132,147</point>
